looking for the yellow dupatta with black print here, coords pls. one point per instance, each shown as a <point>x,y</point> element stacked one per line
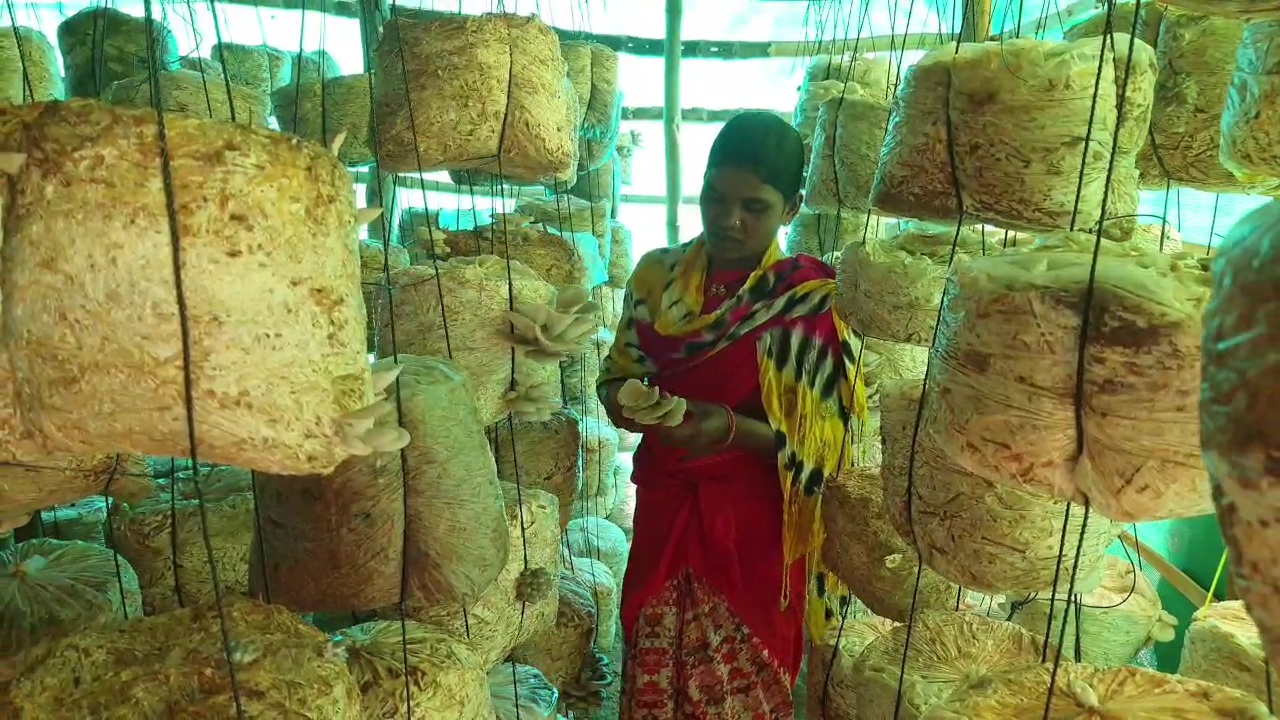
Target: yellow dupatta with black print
<point>810,384</point>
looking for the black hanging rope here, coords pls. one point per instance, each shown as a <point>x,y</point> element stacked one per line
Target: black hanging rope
<point>402,606</point>
<point>184,321</point>
<point>109,534</point>
<point>1086,311</point>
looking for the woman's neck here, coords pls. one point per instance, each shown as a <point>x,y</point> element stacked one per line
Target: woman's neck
<point>734,264</point>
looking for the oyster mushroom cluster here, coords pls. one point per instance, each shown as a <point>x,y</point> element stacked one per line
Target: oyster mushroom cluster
<point>552,333</point>
<point>1165,629</point>
<point>534,584</point>
<point>372,428</point>
<point>434,239</point>
<point>585,696</point>
<point>650,405</point>
<point>533,402</point>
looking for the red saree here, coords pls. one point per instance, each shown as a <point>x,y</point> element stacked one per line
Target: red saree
<point>706,636</point>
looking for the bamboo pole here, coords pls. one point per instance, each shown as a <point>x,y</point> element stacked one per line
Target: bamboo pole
<point>697,115</point>
<point>1051,21</point>
<point>412,183</point>
<point>671,117</point>
<point>975,24</point>
<point>727,49</point>
<point>707,49</point>
<point>1180,581</point>
<point>717,49</point>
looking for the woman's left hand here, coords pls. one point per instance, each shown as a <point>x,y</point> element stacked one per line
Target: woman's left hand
<point>707,429</point>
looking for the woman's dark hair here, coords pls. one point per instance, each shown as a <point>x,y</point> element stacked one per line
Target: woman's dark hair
<point>764,144</point>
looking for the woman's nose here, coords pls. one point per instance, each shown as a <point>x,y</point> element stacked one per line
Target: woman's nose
<point>729,218</point>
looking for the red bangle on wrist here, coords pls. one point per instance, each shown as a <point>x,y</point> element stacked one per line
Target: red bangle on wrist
<point>733,426</point>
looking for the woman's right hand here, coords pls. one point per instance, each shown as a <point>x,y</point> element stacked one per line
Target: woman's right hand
<point>613,408</point>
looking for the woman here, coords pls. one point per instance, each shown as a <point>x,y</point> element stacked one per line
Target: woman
<point>727,521</point>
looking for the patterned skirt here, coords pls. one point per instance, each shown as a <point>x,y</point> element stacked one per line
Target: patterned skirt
<point>691,658</point>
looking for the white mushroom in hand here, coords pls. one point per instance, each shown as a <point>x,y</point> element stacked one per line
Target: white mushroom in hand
<point>649,405</point>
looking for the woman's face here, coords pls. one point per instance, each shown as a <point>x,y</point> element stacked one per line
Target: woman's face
<point>741,215</point>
